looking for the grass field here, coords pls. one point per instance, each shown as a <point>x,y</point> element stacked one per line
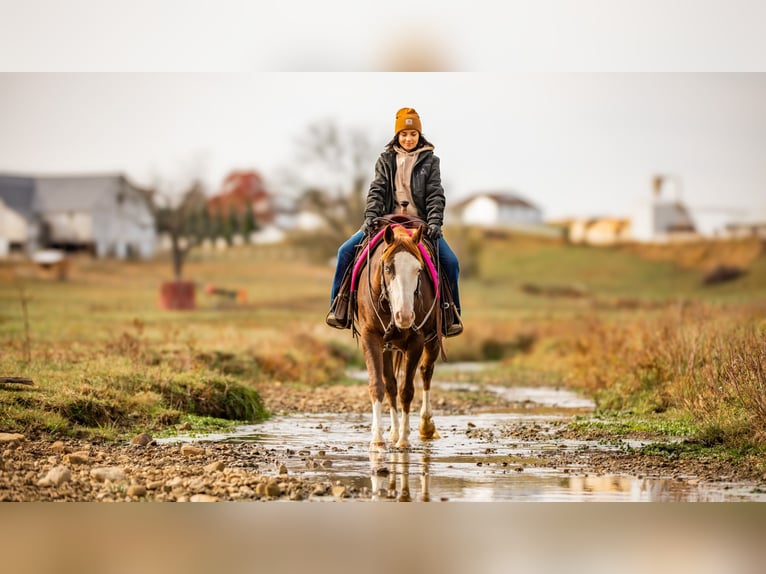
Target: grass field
<point>636,328</point>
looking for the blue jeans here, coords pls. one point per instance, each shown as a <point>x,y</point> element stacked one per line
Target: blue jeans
<point>447,262</point>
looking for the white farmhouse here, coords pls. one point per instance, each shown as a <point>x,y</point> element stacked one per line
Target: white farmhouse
<point>103,214</point>
<point>497,209</point>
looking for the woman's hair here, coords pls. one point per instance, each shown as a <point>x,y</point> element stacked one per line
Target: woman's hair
<point>395,140</point>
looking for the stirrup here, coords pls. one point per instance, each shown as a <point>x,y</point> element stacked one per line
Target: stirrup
<point>454,329</point>
<point>333,321</point>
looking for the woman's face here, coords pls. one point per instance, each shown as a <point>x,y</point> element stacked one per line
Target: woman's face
<point>408,139</point>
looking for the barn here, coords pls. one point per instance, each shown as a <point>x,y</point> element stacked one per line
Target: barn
<point>105,215</point>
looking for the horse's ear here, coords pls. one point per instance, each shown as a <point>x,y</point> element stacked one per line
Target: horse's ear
<point>417,235</point>
<point>389,234</point>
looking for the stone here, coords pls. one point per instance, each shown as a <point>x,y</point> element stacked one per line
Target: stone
<point>142,439</point>
<point>11,438</point>
<point>216,466</point>
<point>175,482</point>
<point>137,490</point>
<point>79,457</point>
<point>203,498</point>
<point>319,490</point>
<point>58,447</point>
<point>282,469</point>
<point>56,476</point>
<point>110,473</point>
<point>190,450</point>
<point>273,489</point>
<point>339,491</point>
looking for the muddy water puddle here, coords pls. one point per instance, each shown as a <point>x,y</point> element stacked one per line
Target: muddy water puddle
<point>476,458</point>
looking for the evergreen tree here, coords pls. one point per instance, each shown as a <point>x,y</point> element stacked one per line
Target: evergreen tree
<point>249,224</point>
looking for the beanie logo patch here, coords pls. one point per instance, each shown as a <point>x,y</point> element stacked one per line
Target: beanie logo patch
<point>408,121</point>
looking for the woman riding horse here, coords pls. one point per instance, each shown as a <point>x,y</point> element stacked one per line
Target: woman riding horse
<point>407,174</point>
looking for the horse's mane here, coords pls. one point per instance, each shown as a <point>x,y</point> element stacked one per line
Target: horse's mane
<point>402,240</point>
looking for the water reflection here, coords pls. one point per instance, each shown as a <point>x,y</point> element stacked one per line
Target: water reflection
<point>460,466</point>
<point>475,459</point>
<point>390,476</point>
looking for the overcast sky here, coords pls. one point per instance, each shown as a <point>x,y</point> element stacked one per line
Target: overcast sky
<point>575,144</point>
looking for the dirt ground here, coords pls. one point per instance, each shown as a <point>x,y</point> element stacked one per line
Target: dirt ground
<point>47,469</point>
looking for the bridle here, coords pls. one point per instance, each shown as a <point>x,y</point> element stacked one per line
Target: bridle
<point>384,299</point>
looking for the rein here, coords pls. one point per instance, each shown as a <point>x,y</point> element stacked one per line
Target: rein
<point>384,290</point>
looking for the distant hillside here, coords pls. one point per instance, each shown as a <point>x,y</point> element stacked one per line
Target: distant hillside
<point>536,265</point>
<point>703,254</point>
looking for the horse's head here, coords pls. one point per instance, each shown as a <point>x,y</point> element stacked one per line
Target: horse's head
<point>401,266</point>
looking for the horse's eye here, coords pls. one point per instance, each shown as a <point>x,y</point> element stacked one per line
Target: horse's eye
<point>388,269</point>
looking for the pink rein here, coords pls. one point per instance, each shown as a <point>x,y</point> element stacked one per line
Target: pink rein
<point>374,241</point>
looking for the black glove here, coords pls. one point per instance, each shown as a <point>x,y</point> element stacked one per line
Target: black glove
<point>369,226</point>
<point>434,232</point>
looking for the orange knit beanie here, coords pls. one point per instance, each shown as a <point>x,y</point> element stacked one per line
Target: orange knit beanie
<point>407,119</point>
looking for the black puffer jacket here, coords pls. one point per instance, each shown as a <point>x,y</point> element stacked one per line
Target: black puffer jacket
<point>426,187</point>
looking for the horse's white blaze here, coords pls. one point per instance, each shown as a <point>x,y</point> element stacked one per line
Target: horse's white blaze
<point>377,415</point>
<point>401,290</point>
<point>404,431</point>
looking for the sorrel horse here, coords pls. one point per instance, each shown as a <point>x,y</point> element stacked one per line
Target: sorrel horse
<point>398,318</point>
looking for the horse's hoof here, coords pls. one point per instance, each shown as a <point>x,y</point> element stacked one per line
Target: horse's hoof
<point>393,438</point>
<point>428,430</point>
<point>403,444</point>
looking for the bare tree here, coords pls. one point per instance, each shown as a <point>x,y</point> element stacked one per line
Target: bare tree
<point>333,170</point>
<point>181,213</point>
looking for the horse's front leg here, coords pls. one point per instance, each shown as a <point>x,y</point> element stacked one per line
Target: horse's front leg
<point>373,356</point>
<point>389,378</point>
<point>427,427</point>
<point>406,394</point>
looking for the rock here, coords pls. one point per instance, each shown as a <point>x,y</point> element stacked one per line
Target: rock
<point>216,466</point>
<point>184,426</point>
<point>273,488</point>
<point>79,457</point>
<point>137,490</point>
<point>56,476</point>
<point>175,482</point>
<point>154,484</point>
<point>282,469</point>
<point>197,485</point>
<point>58,447</point>
<point>203,498</point>
<point>142,439</point>
<point>190,450</point>
<point>319,490</point>
<point>381,471</point>
<point>110,473</point>
<point>11,438</point>
<point>339,491</point>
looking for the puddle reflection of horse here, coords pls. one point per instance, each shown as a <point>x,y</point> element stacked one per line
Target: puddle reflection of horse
<point>384,479</point>
<point>398,326</point>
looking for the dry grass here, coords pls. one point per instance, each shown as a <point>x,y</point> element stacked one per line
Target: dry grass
<point>641,335</point>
